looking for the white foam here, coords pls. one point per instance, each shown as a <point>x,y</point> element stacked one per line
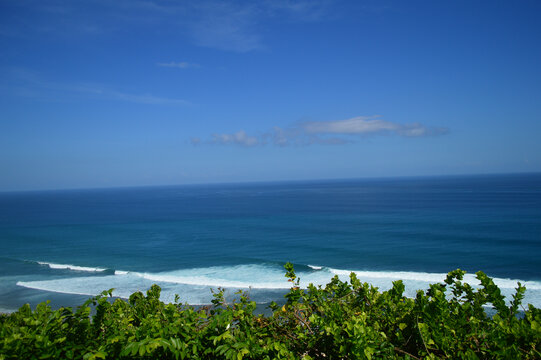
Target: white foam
<point>414,281</point>
<point>315,267</point>
<point>123,286</point>
<point>194,284</point>
<point>71,267</point>
<point>432,278</point>
<point>272,277</point>
<point>48,285</point>
<point>6,311</point>
<point>238,276</point>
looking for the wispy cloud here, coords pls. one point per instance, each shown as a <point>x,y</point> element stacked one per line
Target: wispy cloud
<point>226,26</point>
<point>28,84</point>
<point>230,26</point>
<point>334,132</point>
<point>238,138</point>
<point>356,125</point>
<point>237,26</point>
<point>195,141</point>
<point>363,125</point>
<point>180,65</point>
<point>299,10</point>
<point>145,98</point>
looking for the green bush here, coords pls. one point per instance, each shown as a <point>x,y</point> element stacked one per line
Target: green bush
<point>343,320</point>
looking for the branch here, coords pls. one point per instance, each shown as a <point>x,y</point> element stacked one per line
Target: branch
<point>406,353</point>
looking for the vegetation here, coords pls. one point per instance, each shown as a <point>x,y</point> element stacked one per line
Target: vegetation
<point>343,320</point>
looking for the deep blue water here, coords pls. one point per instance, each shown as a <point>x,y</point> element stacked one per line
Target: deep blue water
<point>189,239</point>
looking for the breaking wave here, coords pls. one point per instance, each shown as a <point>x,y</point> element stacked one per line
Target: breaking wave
<point>71,267</point>
<point>266,281</point>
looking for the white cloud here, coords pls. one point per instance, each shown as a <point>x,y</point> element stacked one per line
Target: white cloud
<point>236,26</point>
<point>145,98</point>
<point>238,138</point>
<point>29,84</point>
<point>226,25</point>
<point>282,137</point>
<point>299,10</point>
<point>336,132</point>
<point>357,125</point>
<point>364,125</point>
<point>181,65</point>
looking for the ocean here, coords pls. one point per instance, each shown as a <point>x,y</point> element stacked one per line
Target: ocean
<point>72,244</point>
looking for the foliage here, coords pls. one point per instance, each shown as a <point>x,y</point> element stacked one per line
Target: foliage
<point>343,320</point>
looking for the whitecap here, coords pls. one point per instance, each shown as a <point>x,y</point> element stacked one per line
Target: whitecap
<point>71,267</point>
<point>194,284</point>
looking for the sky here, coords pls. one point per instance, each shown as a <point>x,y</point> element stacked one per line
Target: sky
<point>104,93</point>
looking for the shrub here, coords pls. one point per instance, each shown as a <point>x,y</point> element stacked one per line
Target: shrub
<point>342,320</point>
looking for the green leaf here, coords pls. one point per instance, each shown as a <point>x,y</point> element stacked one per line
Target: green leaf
<point>141,350</point>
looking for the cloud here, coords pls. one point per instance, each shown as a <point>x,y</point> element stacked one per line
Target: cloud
<point>180,65</point>
<point>225,25</point>
<point>336,132</point>
<point>357,125</point>
<point>363,125</point>
<point>307,11</point>
<point>28,84</point>
<point>236,26</point>
<point>238,138</point>
<point>145,98</point>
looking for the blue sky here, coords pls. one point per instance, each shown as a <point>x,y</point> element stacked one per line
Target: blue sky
<point>128,93</point>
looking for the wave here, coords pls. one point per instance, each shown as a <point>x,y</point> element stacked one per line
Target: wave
<point>237,276</point>
<point>7,311</point>
<point>272,277</point>
<point>49,285</point>
<point>71,267</point>
<point>194,284</point>
<point>433,278</point>
<point>124,286</point>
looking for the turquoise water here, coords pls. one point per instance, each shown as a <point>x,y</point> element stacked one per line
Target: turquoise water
<point>67,245</point>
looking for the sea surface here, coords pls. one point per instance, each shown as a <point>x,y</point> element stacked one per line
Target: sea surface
<point>72,244</point>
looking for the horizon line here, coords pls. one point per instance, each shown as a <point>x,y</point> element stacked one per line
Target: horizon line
<point>248,182</point>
